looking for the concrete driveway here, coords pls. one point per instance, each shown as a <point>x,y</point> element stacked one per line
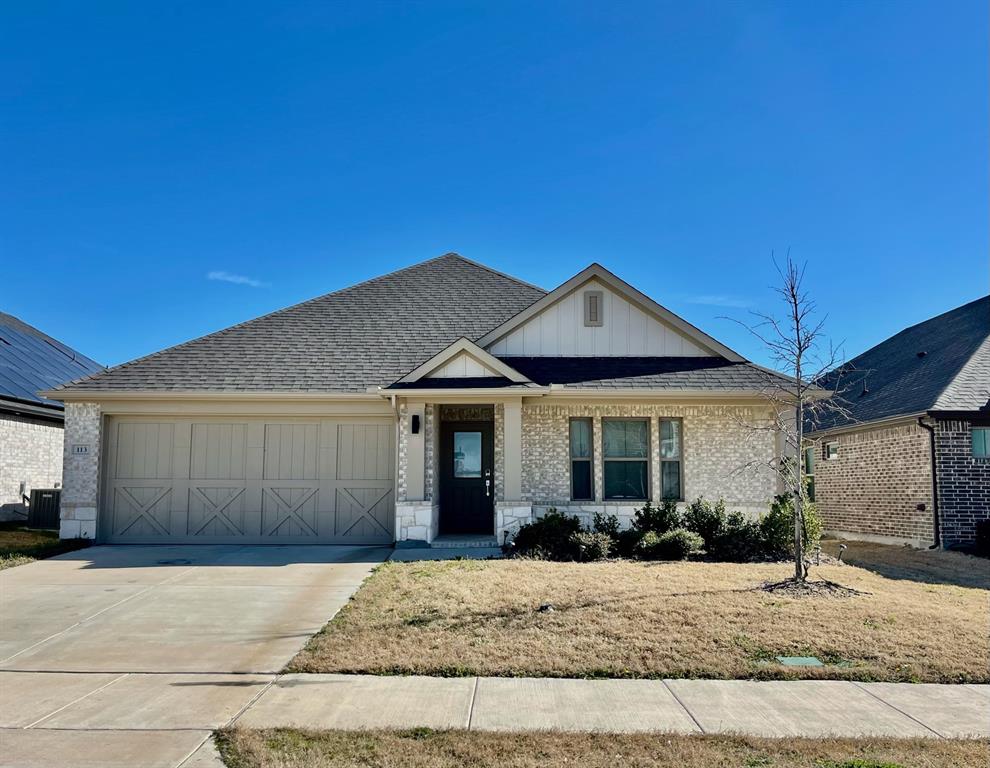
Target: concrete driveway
<point>130,655</point>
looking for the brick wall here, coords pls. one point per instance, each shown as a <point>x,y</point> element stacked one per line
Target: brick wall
<point>874,486</point>
<point>720,452</point>
<point>81,486</point>
<point>30,453</point>
<point>963,483</point>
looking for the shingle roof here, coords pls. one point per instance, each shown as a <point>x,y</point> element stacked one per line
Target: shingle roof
<point>942,364</point>
<point>367,335</point>
<point>31,361</point>
<point>701,373</point>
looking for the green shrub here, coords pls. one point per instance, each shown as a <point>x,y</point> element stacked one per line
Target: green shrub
<point>591,546</point>
<point>740,541</point>
<point>705,519</point>
<point>658,519</point>
<point>549,537</point>
<point>777,527</point>
<point>626,541</point>
<point>607,524</point>
<point>677,544</point>
<point>646,545</point>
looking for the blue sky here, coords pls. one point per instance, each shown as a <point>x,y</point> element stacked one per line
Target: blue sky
<point>303,147</point>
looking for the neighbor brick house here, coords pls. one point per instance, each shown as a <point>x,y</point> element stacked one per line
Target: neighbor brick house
<point>443,399</point>
<point>909,460</point>
<point>31,425</point>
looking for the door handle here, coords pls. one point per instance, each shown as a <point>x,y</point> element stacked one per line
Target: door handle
<point>487,487</point>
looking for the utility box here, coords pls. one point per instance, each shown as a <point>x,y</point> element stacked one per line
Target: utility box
<point>43,508</point>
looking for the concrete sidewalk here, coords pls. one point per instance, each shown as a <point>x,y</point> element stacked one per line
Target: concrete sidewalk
<point>813,708</point>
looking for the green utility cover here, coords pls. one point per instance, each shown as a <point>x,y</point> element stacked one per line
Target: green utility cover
<point>800,661</point>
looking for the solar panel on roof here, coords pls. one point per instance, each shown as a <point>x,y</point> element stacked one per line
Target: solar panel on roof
<point>31,361</point>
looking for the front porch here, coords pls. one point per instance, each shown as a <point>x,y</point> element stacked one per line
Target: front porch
<point>459,474</point>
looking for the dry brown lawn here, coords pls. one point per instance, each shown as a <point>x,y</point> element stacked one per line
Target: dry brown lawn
<point>632,619</point>
<point>20,545</point>
<point>443,749</point>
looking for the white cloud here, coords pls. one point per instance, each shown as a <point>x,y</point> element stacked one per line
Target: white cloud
<point>227,277</point>
<point>719,300</point>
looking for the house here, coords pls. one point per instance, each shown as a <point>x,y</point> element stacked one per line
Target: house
<point>444,399</point>
<point>909,460</point>
<point>31,425</point>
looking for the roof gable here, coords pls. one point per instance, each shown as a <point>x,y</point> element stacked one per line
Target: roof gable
<point>463,360</point>
<point>633,325</point>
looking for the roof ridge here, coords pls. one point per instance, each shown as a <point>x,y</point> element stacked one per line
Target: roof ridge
<point>273,313</point>
<point>494,271</point>
<point>903,331</point>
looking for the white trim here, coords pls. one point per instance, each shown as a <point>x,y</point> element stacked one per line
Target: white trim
<point>627,291</point>
<point>466,346</point>
<point>92,396</point>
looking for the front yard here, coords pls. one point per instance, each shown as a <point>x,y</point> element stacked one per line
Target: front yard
<point>431,749</point>
<point>923,621</point>
<point>20,545</point>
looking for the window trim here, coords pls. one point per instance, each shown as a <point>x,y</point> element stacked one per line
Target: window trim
<point>648,458</point>
<point>825,450</point>
<point>809,472</point>
<point>986,442</point>
<point>590,458</point>
<point>679,459</point>
<point>588,295</point>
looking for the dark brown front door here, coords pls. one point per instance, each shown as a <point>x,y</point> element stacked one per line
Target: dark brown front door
<point>467,485</point>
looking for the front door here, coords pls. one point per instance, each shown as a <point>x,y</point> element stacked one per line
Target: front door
<point>467,486</point>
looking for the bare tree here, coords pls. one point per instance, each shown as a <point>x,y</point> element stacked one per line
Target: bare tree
<point>797,345</point>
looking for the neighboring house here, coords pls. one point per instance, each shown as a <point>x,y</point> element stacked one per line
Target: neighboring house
<point>31,425</point>
<point>909,461</point>
<point>442,399</point>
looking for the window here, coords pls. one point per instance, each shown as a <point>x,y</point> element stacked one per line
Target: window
<point>670,459</point>
<point>809,472</point>
<point>593,308</point>
<point>981,442</point>
<point>582,487</point>
<point>467,454</point>
<point>626,446</point>
<point>831,451</point>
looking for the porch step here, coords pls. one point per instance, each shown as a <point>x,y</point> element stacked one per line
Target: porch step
<point>464,542</point>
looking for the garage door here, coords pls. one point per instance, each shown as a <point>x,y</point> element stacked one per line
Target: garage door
<point>249,481</point>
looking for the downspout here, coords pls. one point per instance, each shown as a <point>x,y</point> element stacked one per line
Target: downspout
<point>936,532</point>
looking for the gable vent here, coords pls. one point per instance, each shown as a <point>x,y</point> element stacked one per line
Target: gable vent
<point>593,308</point>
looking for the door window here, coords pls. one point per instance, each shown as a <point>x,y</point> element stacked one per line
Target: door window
<point>467,454</point>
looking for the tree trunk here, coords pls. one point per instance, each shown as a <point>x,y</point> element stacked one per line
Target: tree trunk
<point>799,574</point>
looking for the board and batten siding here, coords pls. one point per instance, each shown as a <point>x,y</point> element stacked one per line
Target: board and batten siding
<point>626,331</point>
<point>249,480</point>
<point>460,367</point>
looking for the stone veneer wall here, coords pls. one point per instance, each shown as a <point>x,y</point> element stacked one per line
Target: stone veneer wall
<point>30,453</point>
<point>402,455</point>
<point>963,483</point>
<point>499,450</point>
<point>81,483</point>
<point>430,447</point>
<point>873,489</point>
<point>717,446</point>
